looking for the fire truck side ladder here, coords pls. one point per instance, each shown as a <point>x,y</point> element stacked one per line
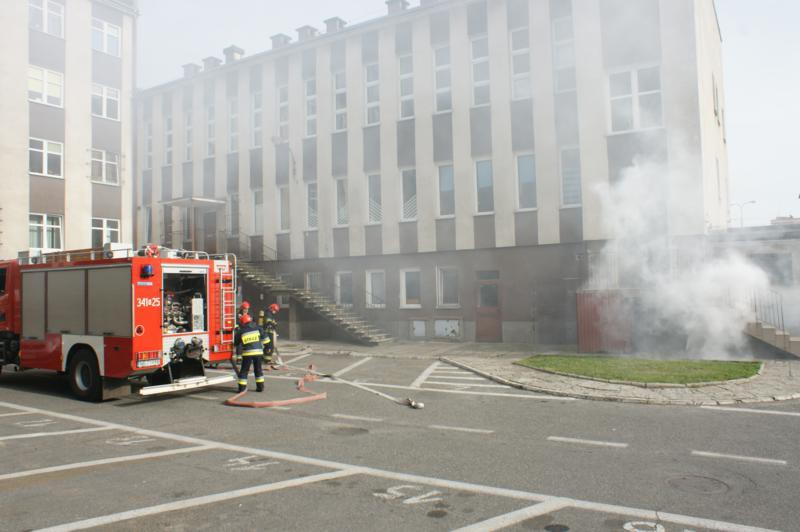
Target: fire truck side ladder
<point>227,299</point>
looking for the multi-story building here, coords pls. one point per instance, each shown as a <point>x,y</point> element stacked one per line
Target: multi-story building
<point>437,168</point>
<point>66,93</point>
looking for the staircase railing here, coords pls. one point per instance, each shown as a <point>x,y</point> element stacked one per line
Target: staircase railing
<point>767,308</point>
<point>244,247</point>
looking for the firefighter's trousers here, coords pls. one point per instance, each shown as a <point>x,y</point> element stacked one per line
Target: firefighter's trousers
<point>255,361</point>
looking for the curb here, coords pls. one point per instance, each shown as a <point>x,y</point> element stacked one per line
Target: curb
<point>652,385</point>
<point>617,399</point>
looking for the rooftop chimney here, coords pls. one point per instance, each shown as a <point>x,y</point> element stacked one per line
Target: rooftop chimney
<point>332,25</point>
<point>305,33</point>
<point>191,69</point>
<point>396,6</point>
<point>232,54</point>
<point>210,63</point>
<point>280,40</point>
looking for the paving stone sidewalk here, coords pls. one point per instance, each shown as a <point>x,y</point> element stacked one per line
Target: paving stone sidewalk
<point>778,381</point>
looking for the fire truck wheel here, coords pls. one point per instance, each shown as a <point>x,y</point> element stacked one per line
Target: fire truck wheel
<point>84,376</point>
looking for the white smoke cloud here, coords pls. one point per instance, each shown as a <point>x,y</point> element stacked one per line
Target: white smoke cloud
<point>685,289</point>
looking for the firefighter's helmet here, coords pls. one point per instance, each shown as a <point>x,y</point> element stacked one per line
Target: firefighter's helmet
<point>245,304</point>
<point>274,308</point>
<point>245,319</point>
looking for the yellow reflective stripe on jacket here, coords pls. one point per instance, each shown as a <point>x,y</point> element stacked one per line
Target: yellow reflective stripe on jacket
<point>251,337</point>
<point>252,352</point>
<point>266,340</point>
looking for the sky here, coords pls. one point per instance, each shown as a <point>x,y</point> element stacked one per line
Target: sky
<point>760,43</point>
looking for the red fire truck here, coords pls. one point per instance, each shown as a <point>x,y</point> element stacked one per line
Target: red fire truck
<point>115,317</point>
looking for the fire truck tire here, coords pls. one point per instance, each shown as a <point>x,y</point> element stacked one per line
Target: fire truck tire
<point>84,376</point>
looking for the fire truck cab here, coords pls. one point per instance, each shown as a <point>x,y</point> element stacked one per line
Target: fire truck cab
<point>117,317</point>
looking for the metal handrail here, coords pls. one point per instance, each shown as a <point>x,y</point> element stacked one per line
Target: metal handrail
<point>245,244</point>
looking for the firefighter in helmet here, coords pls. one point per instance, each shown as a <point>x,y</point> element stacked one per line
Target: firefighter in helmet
<point>270,324</point>
<point>244,308</point>
<point>249,342</point>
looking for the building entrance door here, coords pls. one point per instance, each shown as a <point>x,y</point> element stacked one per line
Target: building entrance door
<point>488,321</point>
<point>210,233</point>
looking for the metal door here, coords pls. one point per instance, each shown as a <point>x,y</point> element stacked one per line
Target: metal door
<point>488,321</point>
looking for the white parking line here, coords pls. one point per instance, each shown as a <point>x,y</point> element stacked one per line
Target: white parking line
<point>58,433</point>
<point>588,442</point>
<point>465,384</point>
<point>198,501</point>
<point>104,461</point>
<point>16,414</point>
<point>752,411</point>
<point>740,458</point>
<point>405,477</point>
<point>358,418</point>
<point>457,377</point>
<point>460,429</point>
<point>352,366</point>
<point>512,518</point>
<point>424,375</point>
<point>205,397</point>
<point>295,359</point>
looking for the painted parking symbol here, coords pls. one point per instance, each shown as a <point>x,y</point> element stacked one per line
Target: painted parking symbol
<point>130,440</point>
<point>35,423</point>
<point>249,463</point>
<point>406,493</point>
<point>643,526</point>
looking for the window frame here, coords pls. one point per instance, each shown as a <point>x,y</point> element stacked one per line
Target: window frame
<point>478,211</point>
<point>258,211</point>
<point>45,151</point>
<point>105,230</point>
<point>559,44</point>
<point>233,125</point>
<point>45,8</point>
<point>284,211</point>
<point>561,150</point>
<point>169,139</point>
<point>403,299</point>
<point>46,226</point>
<point>369,291</point>
<point>105,97</point>
<point>518,187</point>
<point>106,32</point>
<point>337,289</point>
<point>147,164</point>
<point>405,76</point>
<point>372,105</point>
<point>403,217</point>
<point>370,220</point>
<point>310,99</point>
<point>46,83</point>
<point>312,214</point>
<point>475,61</point>
<point>440,304</point>
<point>515,77</point>
<point>439,213</point>
<point>257,118</point>
<point>444,67</point>
<point>105,161</point>
<point>635,96</point>
<point>339,112</point>
<point>341,192</point>
<point>211,130</point>
<point>282,111</point>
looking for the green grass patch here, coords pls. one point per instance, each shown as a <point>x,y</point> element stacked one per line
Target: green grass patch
<point>643,370</point>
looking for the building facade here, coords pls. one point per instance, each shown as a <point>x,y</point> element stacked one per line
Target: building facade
<point>66,100</point>
<point>438,168</point>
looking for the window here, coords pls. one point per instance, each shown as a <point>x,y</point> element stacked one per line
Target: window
<point>314,281</point>
<point>480,71</point>
<point>635,99</point>
<point>283,193</point>
<point>233,214</point>
<point>373,98</point>
<point>168,139</point>
<point>258,211</point>
<point>342,217</point>
<point>105,102</point>
<point>105,167</point>
<point>283,112</point>
<point>376,289</point>
<point>563,54</point>
<point>257,107</point>
<point>340,101</point>
<point>447,290</point>
<point>188,134</point>
<point>211,130</point>
<point>45,157</point>
<point>526,182</point>
<point>148,145</point>
<point>45,86</point>
<point>148,224</point>
<point>311,107</point>
<point>447,196</point>
<point>45,232</point>
<point>485,186</point>
<point>104,231</point>
<point>570,177</point>
<point>520,64</point>
<point>406,65</point>
<point>410,289</point>
<point>46,16</point>
<point>284,300</point>
<point>312,217</point>
<point>409,195</point>
<point>443,82</point>
<point>344,289</point>
<point>233,125</point>
<point>374,198</point>
<point>106,37</point>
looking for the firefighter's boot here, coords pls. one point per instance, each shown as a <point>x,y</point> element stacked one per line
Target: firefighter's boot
<point>259,386</point>
<point>242,387</point>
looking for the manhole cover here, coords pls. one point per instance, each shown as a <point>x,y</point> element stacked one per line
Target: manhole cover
<point>698,484</point>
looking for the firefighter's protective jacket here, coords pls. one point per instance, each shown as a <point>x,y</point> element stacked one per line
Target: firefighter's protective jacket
<point>250,340</point>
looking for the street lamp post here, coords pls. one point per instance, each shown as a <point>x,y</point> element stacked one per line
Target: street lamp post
<point>741,210</point>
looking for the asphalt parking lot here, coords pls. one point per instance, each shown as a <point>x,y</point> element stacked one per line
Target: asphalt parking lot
<point>480,456</point>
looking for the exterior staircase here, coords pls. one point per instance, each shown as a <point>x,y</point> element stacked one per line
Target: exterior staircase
<point>768,325</point>
<point>353,325</point>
